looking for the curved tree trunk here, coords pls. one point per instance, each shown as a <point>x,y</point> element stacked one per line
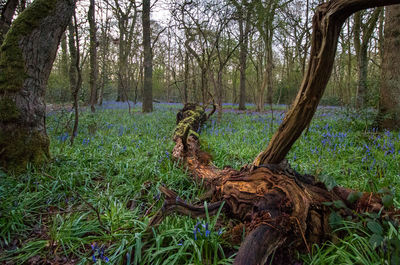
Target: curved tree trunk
<point>389,105</point>
<point>327,23</point>
<point>26,59</point>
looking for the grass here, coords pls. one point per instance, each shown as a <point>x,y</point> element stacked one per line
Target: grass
<point>119,160</point>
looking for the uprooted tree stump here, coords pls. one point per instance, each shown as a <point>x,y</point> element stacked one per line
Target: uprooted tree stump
<point>280,209</point>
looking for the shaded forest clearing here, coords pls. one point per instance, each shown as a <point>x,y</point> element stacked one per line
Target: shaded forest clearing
<point>118,155</point>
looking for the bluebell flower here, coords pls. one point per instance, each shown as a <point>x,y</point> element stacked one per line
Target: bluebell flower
<point>195,233</point>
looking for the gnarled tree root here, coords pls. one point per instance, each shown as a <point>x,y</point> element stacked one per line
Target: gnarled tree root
<point>279,208</point>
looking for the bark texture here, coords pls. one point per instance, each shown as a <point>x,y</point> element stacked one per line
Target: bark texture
<point>7,13</point>
<point>327,23</point>
<point>390,81</point>
<point>147,60</point>
<point>26,58</point>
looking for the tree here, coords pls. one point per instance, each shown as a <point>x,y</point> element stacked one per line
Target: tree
<point>105,43</point>
<point>362,35</point>
<point>244,31</point>
<point>389,105</point>
<point>126,13</point>
<point>147,60</point>
<point>26,57</point>
<point>7,13</point>
<point>282,209</point>
<point>93,56</point>
<point>75,72</point>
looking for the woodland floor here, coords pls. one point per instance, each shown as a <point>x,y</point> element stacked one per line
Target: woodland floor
<point>119,161</point>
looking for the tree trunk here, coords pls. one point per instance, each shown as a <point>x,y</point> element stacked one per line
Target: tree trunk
<point>389,104</point>
<point>122,68</point>
<point>362,76</point>
<point>243,40</point>
<point>268,71</point>
<point>75,73</point>
<point>64,56</point>
<point>186,78</point>
<point>148,60</point>
<point>93,56</point>
<point>26,59</point>
<point>327,23</point>
<point>361,47</point>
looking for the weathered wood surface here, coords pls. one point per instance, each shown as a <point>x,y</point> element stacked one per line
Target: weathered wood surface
<point>275,204</point>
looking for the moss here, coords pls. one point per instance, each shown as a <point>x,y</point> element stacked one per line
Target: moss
<point>22,147</point>
<point>189,124</point>
<point>12,70</point>
<point>8,110</point>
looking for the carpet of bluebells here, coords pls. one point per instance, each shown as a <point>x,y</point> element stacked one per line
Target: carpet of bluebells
<point>92,203</point>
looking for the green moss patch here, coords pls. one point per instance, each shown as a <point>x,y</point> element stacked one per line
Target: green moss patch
<point>8,110</point>
<point>22,147</point>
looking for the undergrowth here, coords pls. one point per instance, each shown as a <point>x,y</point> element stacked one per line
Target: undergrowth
<point>92,203</point>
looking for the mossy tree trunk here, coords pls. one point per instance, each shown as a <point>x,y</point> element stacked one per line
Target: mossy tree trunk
<point>26,58</point>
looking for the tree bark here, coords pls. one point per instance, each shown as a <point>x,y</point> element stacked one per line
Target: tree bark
<point>327,23</point>
<point>147,60</point>
<point>389,104</point>
<point>75,73</point>
<point>26,59</point>
<point>122,67</point>
<point>186,78</point>
<point>93,56</point>
<point>7,13</point>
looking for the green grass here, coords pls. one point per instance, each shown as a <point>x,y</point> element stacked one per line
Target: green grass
<point>119,160</point>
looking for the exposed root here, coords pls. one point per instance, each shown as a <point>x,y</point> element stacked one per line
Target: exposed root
<point>275,204</point>
<point>173,204</point>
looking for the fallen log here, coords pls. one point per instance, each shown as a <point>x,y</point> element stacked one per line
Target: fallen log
<point>280,209</point>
